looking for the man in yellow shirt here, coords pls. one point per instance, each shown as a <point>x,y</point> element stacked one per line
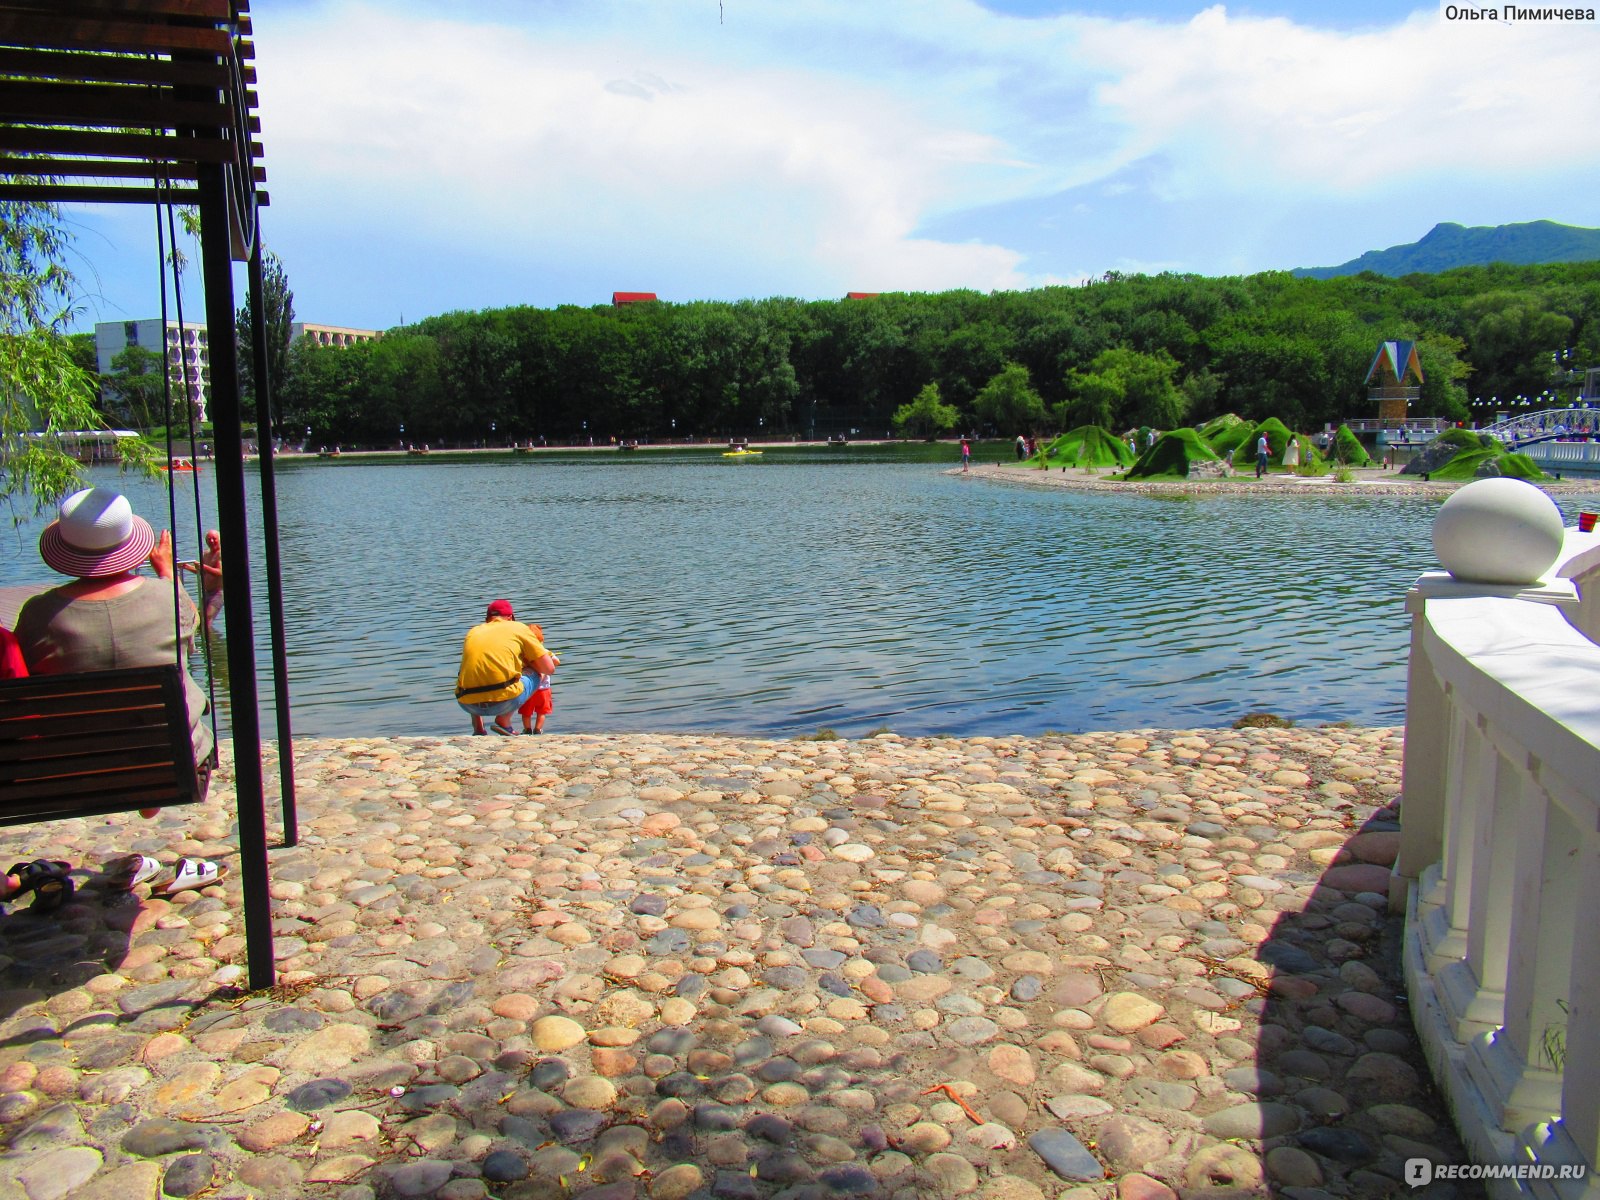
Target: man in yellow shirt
<point>500,662</point>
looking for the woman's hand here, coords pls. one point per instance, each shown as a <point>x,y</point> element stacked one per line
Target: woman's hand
<point>161,555</point>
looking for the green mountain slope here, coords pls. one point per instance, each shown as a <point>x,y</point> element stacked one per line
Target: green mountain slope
<point>1448,245</point>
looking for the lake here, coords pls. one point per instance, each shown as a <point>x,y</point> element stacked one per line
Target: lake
<point>847,590</point>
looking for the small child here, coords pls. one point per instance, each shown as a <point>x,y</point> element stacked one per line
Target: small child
<point>543,696</point>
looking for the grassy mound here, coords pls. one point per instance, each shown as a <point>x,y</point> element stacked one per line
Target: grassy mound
<point>1278,436</point>
<point>1225,433</point>
<point>1520,466</point>
<point>1171,456</point>
<point>1347,449</point>
<point>1487,462</point>
<point>1088,446</point>
<point>1442,454</point>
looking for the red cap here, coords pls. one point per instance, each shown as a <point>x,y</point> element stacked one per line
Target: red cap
<point>499,608</point>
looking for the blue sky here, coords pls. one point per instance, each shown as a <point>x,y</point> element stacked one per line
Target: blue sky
<point>425,156</point>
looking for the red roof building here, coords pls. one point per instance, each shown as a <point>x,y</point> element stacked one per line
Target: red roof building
<point>618,299</point>
<point>860,295</point>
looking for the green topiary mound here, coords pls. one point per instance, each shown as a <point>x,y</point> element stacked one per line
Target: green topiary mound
<point>1088,446</point>
<point>1487,463</point>
<point>1225,433</point>
<point>1520,466</point>
<point>1172,456</point>
<point>1347,449</point>
<point>1461,454</point>
<point>1278,436</point>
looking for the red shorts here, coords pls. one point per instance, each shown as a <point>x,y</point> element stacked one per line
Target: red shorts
<point>543,702</point>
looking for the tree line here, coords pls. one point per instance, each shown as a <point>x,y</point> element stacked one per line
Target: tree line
<point>1120,352</point>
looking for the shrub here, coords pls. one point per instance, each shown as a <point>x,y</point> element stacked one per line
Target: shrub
<point>1263,720</point>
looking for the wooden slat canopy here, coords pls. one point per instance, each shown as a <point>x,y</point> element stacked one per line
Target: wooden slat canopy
<point>147,102</point>
<point>121,101</point>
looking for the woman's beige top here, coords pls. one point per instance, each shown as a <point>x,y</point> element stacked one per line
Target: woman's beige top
<point>61,634</point>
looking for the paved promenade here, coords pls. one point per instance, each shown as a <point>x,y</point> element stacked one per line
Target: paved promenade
<point>1088,966</point>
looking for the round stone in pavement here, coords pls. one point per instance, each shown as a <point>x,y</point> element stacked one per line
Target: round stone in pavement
<point>504,1166</point>
<point>294,1020</point>
<point>189,1175</point>
<point>319,1093</point>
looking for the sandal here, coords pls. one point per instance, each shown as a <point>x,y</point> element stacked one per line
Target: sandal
<point>190,873</point>
<point>128,872</point>
<point>47,878</point>
<point>503,730</point>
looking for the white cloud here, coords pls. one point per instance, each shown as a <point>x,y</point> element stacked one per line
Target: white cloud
<point>1244,103</point>
<point>805,147</point>
<point>534,140</point>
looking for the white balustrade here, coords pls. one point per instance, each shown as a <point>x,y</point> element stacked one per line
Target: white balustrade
<point>1499,865</point>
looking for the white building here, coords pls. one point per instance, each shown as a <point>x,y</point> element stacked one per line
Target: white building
<point>330,335</point>
<point>184,347</point>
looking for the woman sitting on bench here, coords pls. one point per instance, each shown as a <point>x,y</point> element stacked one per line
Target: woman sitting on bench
<point>109,616</point>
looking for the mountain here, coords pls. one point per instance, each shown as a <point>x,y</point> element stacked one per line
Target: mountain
<point>1449,245</point>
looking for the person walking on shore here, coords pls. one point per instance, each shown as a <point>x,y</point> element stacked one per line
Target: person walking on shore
<point>1263,452</point>
<point>966,454</point>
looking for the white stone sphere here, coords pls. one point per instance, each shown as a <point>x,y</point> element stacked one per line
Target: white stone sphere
<point>1498,531</point>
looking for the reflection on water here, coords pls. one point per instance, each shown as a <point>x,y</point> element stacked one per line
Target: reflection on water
<point>830,590</point>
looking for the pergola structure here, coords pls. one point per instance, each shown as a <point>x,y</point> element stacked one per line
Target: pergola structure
<point>153,102</point>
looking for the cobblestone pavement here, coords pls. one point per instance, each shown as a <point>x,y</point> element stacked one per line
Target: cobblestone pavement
<point>1122,964</point>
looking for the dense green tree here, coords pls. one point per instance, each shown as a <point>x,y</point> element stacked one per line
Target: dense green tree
<point>1124,387</point>
<point>1181,348</point>
<point>134,392</point>
<point>277,303</point>
<point>926,416</point>
<point>1008,401</point>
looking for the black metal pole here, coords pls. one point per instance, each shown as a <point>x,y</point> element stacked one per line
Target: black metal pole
<point>217,262</point>
<point>265,403</point>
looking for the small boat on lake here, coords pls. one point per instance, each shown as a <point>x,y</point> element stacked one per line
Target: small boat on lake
<point>742,453</point>
<point>181,464</point>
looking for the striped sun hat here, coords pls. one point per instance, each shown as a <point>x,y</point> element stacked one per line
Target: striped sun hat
<point>97,535</point>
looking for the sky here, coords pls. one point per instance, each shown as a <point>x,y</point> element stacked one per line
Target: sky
<point>428,156</point>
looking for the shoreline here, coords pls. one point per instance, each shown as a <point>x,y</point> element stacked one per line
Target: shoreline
<point>1083,965</point>
<point>1368,482</point>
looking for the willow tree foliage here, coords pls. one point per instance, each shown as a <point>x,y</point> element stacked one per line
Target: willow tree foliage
<point>44,391</point>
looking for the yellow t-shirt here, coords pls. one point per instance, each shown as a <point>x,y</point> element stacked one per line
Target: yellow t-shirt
<point>493,659</point>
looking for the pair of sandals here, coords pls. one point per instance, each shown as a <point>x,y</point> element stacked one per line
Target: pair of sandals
<point>47,879</point>
<point>129,871</point>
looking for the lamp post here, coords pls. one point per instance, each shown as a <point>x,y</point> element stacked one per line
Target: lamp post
<point>491,433</point>
<point>308,439</point>
<point>402,435</point>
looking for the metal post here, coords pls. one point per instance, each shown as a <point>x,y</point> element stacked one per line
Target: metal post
<point>269,533</point>
<point>217,262</point>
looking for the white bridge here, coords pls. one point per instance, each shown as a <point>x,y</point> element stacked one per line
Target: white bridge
<point>1499,866</point>
<point>1547,425</point>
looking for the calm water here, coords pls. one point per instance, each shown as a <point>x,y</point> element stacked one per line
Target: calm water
<point>820,590</point>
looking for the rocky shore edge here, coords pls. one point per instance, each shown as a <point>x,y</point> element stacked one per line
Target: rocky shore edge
<point>1142,965</point>
<point>1367,482</point>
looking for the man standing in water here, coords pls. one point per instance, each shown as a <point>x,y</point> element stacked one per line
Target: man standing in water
<point>209,569</point>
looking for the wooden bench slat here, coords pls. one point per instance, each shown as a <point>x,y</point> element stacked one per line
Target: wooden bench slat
<point>94,743</point>
<point>60,747</point>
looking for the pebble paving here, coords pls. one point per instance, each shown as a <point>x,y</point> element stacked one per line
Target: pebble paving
<point>1132,965</point>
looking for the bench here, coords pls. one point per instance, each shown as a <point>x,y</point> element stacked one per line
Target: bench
<point>98,742</point>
